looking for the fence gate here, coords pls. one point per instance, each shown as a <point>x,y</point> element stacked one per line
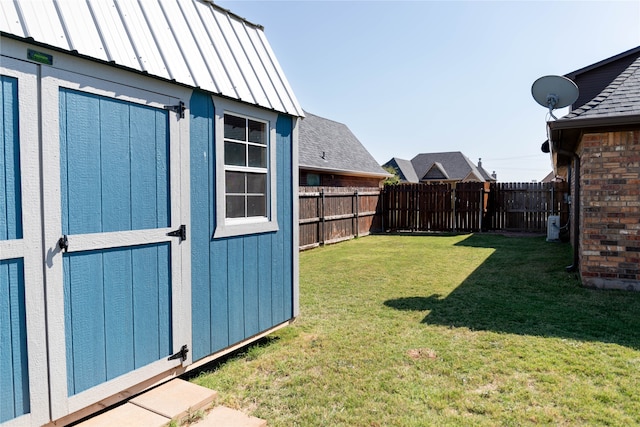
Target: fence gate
<point>473,206</point>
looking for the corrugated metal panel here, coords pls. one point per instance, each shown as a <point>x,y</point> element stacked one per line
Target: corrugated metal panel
<point>192,42</point>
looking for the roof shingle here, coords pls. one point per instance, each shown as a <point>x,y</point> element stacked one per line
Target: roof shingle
<point>326,144</point>
<point>620,97</point>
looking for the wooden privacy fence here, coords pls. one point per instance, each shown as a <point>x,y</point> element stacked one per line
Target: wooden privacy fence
<point>526,206</point>
<point>435,207</point>
<point>473,206</point>
<point>333,214</point>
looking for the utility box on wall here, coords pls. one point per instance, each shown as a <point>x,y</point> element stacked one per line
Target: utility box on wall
<point>553,228</point>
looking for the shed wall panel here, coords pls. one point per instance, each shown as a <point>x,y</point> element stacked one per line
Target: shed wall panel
<point>201,128</point>
<point>14,372</point>
<point>249,287</point>
<point>10,193</point>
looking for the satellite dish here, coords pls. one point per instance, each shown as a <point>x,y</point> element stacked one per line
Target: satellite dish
<point>554,92</point>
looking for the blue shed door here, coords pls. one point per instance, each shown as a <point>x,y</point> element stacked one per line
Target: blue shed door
<point>114,238</point>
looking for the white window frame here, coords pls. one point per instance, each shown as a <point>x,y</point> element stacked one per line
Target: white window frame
<point>228,227</point>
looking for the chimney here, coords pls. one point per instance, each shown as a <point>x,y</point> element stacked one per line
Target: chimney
<point>480,162</point>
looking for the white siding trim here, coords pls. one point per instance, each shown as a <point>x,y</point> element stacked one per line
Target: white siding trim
<point>30,246</point>
<point>225,228</point>
<point>295,215</point>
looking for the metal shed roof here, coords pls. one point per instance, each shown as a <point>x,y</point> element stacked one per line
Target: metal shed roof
<point>193,42</point>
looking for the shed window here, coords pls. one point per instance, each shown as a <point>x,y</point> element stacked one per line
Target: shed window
<point>245,180</point>
<point>246,167</point>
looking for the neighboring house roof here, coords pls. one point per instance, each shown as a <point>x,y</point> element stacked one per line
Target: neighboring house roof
<point>329,146</point>
<point>191,42</point>
<point>404,168</point>
<point>447,166</point>
<point>552,177</point>
<point>436,171</point>
<point>454,165</point>
<point>618,105</point>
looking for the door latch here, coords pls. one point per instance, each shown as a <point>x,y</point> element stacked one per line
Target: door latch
<point>63,243</point>
<point>180,232</point>
<point>181,354</point>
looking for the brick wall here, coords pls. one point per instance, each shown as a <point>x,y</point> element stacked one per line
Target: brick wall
<point>610,210</point>
<point>335,180</point>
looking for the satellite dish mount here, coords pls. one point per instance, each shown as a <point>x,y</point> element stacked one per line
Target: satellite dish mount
<point>554,92</point>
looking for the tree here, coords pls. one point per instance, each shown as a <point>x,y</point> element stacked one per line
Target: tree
<point>393,180</point>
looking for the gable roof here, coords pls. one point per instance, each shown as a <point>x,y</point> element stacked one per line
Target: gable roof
<point>617,106</point>
<point>620,97</point>
<point>326,145</point>
<point>593,78</point>
<point>456,165</point>
<point>446,166</point>
<point>404,169</point>
<point>436,171</point>
<point>191,42</point>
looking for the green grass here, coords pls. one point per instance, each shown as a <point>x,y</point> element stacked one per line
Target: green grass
<point>443,330</point>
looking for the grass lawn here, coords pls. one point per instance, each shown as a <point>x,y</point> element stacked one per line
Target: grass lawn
<point>442,330</point>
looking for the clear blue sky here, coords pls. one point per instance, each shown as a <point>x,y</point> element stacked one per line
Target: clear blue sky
<point>427,76</point>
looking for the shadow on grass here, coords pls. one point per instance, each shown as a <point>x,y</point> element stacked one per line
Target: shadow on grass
<point>522,288</point>
<point>247,352</point>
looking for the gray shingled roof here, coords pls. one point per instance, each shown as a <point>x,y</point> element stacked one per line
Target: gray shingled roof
<point>329,145</point>
<point>449,166</point>
<point>620,97</point>
<point>456,165</point>
<point>405,170</point>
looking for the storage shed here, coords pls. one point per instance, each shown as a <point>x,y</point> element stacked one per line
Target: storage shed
<point>148,198</point>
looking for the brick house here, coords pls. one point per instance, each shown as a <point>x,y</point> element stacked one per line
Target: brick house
<point>330,155</point>
<point>596,147</point>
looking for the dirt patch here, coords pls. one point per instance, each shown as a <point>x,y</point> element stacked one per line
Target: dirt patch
<point>422,353</point>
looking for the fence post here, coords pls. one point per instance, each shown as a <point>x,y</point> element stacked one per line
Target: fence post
<point>381,200</point>
<point>322,224</point>
<point>453,206</point>
<point>481,207</point>
<point>357,213</point>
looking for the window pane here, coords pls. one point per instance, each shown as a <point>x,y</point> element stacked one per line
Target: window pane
<point>256,206</point>
<point>257,156</point>
<point>235,127</point>
<point>235,207</point>
<point>234,154</point>
<point>313,179</point>
<point>234,182</point>
<point>257,183</point>
<point>257,132</point>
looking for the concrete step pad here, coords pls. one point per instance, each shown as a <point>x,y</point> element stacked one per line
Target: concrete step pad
<point>221,416</point>
<point>127,415</point>
<point>173,400</point>
<point>176,399</point>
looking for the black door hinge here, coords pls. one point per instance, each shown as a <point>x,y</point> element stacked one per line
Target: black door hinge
<point>177,108</point>
<point>181,354</point>
<point>180,232</point>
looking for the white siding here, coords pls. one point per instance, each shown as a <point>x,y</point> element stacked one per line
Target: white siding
<point>193,42</point>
